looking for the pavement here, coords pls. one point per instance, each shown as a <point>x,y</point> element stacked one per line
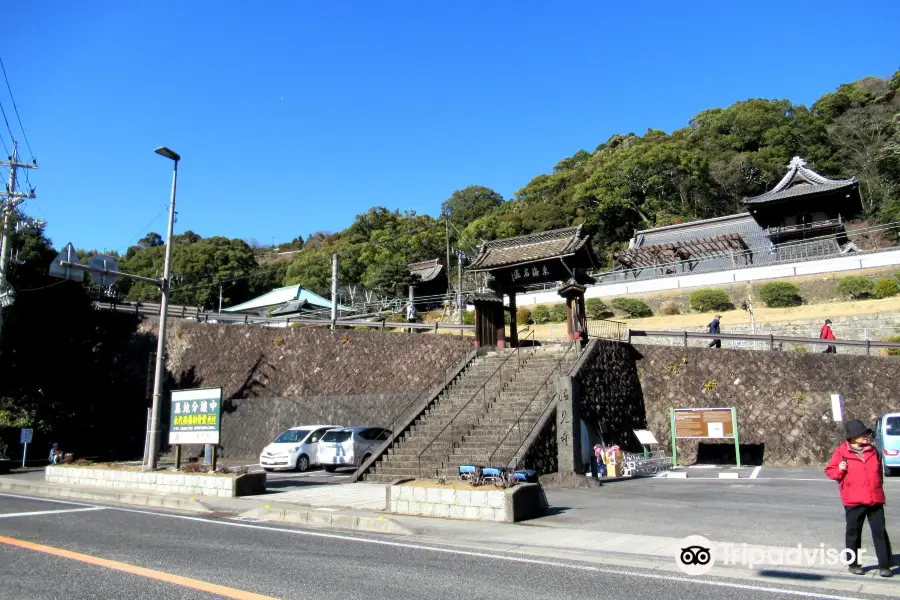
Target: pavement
<point>626,524</point>
<point>50,549</point>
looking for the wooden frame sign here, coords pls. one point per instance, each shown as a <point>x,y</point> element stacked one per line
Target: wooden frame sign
<point>705,424</point>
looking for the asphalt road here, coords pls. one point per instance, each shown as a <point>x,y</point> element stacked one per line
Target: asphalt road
<point>153,550</point>
<point>775,511</point>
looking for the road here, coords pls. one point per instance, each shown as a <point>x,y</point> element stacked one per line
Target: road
<point>50,549</point>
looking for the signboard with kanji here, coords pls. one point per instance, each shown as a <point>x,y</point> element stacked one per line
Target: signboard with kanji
<point>195,416</point>
<point>705,423</point>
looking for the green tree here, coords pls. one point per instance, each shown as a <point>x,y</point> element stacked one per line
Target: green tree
<point>468,204</point>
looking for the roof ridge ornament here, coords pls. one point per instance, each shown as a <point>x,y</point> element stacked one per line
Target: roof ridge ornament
<point>797,163</point>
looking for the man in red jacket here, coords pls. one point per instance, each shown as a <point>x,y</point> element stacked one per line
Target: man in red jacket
<point>828,334</point>
<point>856,466</point>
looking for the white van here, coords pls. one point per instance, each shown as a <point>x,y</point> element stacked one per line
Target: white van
<point>297,448</point>
<point>350,447</point>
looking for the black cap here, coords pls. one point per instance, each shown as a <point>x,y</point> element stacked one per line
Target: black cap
<point>828,321</point>
<point>855,428</point>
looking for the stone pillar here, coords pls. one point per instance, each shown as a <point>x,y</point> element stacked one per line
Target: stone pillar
<point>568,427</point>
<point>513,325</point>
<point>573,294</point>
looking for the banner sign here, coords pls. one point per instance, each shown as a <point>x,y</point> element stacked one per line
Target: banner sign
<point>195,416</point>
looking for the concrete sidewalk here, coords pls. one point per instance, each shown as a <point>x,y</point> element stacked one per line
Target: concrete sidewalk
<point>556,541</point>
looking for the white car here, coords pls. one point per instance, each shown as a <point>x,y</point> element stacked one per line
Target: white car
<point>297,448</point>
<point>350,446</point>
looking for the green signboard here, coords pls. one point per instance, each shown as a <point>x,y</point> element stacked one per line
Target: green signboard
<point>195,416</point>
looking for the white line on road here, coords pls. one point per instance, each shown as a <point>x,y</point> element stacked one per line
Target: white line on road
<point>51,500</point>
<point>51,512</point>
<point>755,473</point>
<point>516,559</point>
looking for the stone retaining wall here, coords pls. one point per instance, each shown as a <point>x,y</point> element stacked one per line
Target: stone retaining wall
<point>173,483</point>
<point>521,502</point>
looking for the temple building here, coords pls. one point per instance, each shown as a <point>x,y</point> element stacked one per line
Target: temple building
<point>430,278</point>
<point>801,218</point>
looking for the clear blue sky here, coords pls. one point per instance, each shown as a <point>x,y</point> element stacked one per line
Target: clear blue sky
<point>294,116</point>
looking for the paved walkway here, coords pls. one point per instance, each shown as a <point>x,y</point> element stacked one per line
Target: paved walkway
<point>367,496</point>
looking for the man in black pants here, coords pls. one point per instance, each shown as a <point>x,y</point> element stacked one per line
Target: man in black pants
<point>713,327</point>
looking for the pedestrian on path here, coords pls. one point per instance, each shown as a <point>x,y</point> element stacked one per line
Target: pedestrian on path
<point>715,327</point>
<point>856,466</point>
<point>828,334</point>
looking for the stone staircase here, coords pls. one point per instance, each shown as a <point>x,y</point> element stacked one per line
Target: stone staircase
<point>500,396</point>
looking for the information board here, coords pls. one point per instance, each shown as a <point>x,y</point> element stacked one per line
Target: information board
<point>704,423</point>
<point>195,416</point>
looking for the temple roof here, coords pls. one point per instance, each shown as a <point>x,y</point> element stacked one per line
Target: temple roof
<point>530,248</point>
<point>426,269</point>
<point>800,181</point>
<point>659,254</point>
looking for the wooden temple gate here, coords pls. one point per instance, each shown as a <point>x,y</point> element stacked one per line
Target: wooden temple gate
<point>513,264</point>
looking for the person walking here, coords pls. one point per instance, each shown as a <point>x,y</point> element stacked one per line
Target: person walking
<point>856,466</point>
<point>715,327</point>
<point>828,334</point>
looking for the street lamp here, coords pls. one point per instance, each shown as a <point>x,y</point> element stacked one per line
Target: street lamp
<point>152,450</point>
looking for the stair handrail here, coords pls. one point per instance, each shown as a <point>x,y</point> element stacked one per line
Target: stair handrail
<point>554,370</point>
<point>481,389</point>
<point>431,386</point>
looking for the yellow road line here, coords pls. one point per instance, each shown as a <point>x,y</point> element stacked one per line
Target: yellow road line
<point>196,584</point>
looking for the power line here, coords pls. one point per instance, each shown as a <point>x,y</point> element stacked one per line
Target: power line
<point>15,108</point>
<point>8,128</point>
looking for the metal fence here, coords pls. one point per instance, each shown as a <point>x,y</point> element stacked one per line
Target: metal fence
<point>606,329</point>
<point>767,342</point>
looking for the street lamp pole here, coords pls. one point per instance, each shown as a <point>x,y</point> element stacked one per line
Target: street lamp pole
<point>152,452</point>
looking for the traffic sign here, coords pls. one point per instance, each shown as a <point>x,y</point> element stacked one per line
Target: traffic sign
<point>68,254</point>
<point>107,263</point>
<point>26,435</point>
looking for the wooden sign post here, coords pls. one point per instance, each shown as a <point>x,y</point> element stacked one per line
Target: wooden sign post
<point>704,424</point>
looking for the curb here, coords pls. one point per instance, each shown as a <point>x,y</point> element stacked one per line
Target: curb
<point>103,495</point>
<point>315,518</point>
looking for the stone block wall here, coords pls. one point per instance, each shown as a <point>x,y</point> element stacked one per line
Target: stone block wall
<point>524,501</point>
<point>783,399</point>
<point>172,483</point>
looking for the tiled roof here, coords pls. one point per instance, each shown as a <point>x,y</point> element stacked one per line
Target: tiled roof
<point>801,181</point>
<point>426,269</point>
<point>529,248</point>
<point>281,296</point>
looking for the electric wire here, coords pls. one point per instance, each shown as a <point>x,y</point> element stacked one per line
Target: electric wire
<point>16,109</point>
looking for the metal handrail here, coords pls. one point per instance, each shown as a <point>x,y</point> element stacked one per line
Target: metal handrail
<point>686,335</point>
<point>483,389</point>
<point>530,402</point>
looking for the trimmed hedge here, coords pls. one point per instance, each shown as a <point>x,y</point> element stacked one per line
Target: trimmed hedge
<point>780,294</point>
<point>597,309</point>
<point>558,313</point>
<point>523,316</point>
<point>886,288</point>
<point>540,314</point>
<point>710,300</point>
<point>670,308</point>
<point>632,307</point>
<point>855,288</point>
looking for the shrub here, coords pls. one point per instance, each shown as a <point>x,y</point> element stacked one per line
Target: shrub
<point>523,316</point>
<point>670,307</point>
<point>779,294</point>
<point>632,307</point>
<point>469,317</point>
<point>891,351</point>
<point>710,300</point>
<point>855,288</point>
<point>886,288</point>
<point>558,313</point>
<point>195,467</point>
<point>540,314</point>
<point>597,309</point>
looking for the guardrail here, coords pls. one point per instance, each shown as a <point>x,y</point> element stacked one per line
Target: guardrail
<point>185,312</point>
<point>771,339</point>
<point>606,329</point>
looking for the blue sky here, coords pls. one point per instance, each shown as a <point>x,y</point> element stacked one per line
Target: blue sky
<point>293,116</point>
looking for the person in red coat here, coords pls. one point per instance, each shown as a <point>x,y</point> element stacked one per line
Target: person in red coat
<point>828,334</point>
<point>856,466</point>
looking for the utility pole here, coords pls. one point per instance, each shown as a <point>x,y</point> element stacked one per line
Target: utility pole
<point>447,264</point>
<point>11,200</point>
<point>220,298</point>
<point>334,287</point>
<point>459,305</point>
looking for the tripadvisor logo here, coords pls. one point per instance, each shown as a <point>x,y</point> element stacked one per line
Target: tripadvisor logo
<point>696,555</point>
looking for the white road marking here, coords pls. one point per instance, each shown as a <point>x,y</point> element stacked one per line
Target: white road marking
<point>50,512</point>
<point>51,500</point>
<point>488,555</point>
<point>755,473</point>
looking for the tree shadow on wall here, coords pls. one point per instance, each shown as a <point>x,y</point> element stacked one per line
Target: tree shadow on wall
<point>711,453</point>
<point>252,386</point>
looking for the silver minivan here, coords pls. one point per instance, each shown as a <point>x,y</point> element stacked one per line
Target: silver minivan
<point>350,446</point>
<point>297,448</point>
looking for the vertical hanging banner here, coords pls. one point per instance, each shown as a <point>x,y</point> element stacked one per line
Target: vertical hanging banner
<point>195,416</point>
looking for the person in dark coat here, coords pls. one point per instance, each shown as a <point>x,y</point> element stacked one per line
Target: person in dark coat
<point>856,466</point>
<point>828,334</point>
<point>714,327</point>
